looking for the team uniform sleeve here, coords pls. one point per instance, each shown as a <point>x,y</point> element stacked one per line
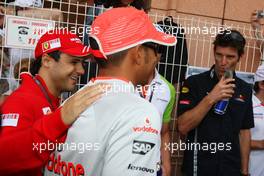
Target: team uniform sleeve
<point>134,146</point>
<point>20,145</point>
<point>188,96</point>
<point>167,113</point>
<point>248,120</point>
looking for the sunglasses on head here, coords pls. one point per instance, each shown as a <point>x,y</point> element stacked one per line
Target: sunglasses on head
<point>158,49</point>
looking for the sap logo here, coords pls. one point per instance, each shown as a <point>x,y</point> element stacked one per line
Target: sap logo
<point>139,168</point>
<point>141,148</point>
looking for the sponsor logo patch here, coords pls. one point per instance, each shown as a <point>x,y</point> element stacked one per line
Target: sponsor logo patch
<point>51,44</point>
<point>56,166</point>
<point>146,128</point>
<point>140,168</point>
<point>240,98</point>
<point>46,110</point>
<point>77,40</point>
<point>142,147</point>
<point>10,119</point>
<point>185,90</point>
<point>185,102</point>
<point>163,100</point>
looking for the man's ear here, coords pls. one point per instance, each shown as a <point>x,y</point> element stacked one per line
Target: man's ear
<point>261,85</point>
<point>139,57</point>
<point>242,55</point>
<point>46,60</point>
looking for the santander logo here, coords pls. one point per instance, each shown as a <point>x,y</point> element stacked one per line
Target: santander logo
<point>146,128</point>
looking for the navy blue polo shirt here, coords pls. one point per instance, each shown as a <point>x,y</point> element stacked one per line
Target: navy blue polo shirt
<point>213,149</point>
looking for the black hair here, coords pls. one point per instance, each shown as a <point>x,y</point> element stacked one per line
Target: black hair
<point>231,38</point>
<point>138,4</point>
<point>114,59</point>
<point>36,64</point>
<point>256,87</point>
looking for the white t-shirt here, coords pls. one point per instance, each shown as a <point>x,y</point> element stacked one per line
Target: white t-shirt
<point>121,135</point>
<point>256,166</point>
<point>161,94</point>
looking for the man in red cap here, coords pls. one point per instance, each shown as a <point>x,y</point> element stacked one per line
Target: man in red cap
<point>124,129</point>
<point>32,123</point>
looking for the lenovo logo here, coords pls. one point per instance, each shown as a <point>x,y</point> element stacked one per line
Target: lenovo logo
<point>139,168</point>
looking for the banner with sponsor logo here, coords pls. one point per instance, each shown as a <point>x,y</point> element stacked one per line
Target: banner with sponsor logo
<point>23,32</point>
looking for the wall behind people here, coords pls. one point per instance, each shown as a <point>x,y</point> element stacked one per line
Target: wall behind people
<point>211,13</point>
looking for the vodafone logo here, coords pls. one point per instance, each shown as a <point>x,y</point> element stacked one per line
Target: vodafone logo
<point>147,128</point>
<point>147,122</point>
<point>58,167</point>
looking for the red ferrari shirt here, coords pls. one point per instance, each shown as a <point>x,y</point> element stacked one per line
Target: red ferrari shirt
<point>31,122</point>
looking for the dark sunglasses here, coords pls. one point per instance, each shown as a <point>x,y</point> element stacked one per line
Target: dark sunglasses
<point>158,49</point>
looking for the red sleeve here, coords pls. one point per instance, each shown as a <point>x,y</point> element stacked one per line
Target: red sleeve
<point>29,147</point>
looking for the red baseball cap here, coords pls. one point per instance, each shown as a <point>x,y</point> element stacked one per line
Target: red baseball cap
<point>61,40</point>
<point>119,29</point>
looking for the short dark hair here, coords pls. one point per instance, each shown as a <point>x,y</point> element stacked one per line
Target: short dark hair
<point>138,4</point>
<point>114,59</point>
<point>256,87</point>
<point>36,64</point>
<point>231,38</point>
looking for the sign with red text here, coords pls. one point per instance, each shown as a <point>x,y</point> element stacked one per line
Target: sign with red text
<point>23,32</point>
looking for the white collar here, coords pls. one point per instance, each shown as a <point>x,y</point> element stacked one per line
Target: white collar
<point>117,85</point>
<point>156,78</point>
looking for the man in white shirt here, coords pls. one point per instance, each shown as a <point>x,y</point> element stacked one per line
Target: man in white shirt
<point>162,94</point>
<point>257,133</point>
<point>124,129</point>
